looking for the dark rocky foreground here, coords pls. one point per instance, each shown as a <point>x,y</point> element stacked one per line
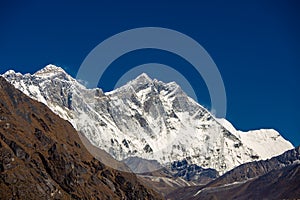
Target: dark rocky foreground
<point>42,157</point>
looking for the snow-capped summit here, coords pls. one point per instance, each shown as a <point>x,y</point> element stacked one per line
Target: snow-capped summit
<point>12,73</point>
<point>149,119</point>
<point>143,78</point>
<point>50,69</point>
<point>9,72</point>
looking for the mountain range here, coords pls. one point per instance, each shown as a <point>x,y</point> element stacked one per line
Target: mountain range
<point>61,140</point>
<point>148,119</point>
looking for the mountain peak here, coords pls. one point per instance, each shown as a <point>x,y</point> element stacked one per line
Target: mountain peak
<point>50,70</point>
<point>140,82</point>
<point>11,73</point>
<point>143,78</point>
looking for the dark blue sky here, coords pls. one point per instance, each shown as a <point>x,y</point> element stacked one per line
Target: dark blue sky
<point>255,44</point>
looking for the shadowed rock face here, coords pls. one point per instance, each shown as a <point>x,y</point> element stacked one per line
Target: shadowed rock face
<point>192,172</point>
<point>42,157</point>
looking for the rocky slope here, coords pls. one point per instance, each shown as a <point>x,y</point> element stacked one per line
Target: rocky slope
<point>254,169</point>
<point>42,157</point>
<point>276,178</point>
<point>277,184</point>
<point>148,119</point>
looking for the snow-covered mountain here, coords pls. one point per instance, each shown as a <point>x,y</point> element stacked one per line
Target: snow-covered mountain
<point>149,119</point>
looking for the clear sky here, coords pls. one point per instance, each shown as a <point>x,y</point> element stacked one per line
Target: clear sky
<point>255,44</point>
